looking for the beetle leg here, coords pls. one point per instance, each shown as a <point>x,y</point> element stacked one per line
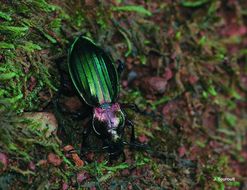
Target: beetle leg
<point>135,108</point>
<point>121,66</point>
<point>131,124</point>
<point>131,106</point>
<point>124,157</point>
<point>84,143</point>
<point>133,143</point>
<point>113,157</point>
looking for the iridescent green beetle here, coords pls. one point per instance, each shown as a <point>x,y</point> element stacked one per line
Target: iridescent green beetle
<point>96,79</point>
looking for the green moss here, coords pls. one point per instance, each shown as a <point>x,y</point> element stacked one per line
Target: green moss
<point>133,8</point>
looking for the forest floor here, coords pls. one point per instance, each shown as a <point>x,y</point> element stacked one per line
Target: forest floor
<point>185,68</point>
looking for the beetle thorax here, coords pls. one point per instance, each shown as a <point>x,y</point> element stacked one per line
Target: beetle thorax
<point>107,113</point>
<point>108,120</point>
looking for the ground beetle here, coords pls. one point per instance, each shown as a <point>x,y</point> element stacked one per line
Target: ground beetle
<point>96,79</point>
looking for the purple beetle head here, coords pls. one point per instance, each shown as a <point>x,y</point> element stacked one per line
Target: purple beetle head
<point>108,122</point>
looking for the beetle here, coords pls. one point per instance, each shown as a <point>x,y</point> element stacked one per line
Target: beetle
<point>96,79</point>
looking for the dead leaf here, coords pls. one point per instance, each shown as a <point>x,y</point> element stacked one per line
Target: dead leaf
<point>54,159</point>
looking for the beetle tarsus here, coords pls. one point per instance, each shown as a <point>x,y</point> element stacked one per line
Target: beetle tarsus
<point>133,143</point>
<point>121,66</point>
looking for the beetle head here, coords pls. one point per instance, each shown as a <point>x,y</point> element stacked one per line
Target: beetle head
<point>108,122</point>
